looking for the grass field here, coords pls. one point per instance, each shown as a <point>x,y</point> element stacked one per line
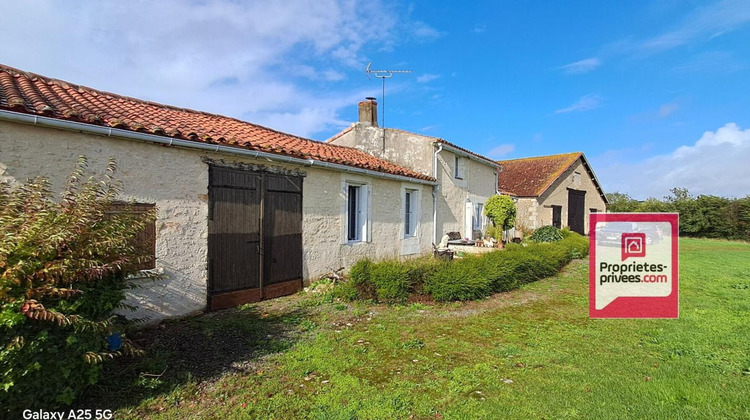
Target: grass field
<point>531,353</point>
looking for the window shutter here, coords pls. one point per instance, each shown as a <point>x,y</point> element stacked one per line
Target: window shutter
<point>366,207</point>
<point>461,167</point>
<point>145,240</point>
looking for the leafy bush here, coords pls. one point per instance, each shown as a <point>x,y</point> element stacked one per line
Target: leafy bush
<point>359,277</point>
<point>421,269</point>
<point>576,244</point>
<point>546,234</point>
<point>501,210</point>
<point>346,291</point>
<point>494,232</point>
<point>461,280</point>
<point>391,280</point>
<point>63,266</point>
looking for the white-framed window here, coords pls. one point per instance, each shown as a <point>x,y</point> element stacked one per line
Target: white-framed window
<point>411,212</point>
<point>459,167</point>
<point>356,212</point>
<point>477,219</point>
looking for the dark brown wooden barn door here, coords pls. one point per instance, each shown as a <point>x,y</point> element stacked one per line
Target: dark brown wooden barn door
<point>233,237</point>
<point>254,236</point>
<point>576,205</point>
<point>282,235</point>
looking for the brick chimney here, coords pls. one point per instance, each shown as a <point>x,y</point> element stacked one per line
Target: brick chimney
<point>368,112</point>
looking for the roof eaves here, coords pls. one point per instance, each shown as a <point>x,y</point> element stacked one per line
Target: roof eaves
<point>468,153</point>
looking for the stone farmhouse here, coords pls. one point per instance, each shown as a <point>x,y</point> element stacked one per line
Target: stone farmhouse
<point>559,190</point>
<point>465,180</point>
<point>245,212</point>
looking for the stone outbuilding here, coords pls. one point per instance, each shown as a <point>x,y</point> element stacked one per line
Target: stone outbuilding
<point>558,190</point>
<point>244,212</point>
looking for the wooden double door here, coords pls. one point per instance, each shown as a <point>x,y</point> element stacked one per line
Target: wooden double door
<point>254,236</point>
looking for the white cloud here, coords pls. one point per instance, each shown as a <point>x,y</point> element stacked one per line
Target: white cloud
<point>427,78</point>
<point>582,66</point>
<point>244,59</point>
<point>715,164</point>
<point>585,103</point>
<point>703,24</point>
<point>501,151</point>
<point>711,62</point>
<point>423,31</point>
<point>668,109</point>
<point>478,29</point>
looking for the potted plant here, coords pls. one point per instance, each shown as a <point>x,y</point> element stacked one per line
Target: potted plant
<point>501,210</point>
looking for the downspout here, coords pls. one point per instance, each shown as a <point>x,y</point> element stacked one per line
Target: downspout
<point>498,170</point>
<point>434,193</point>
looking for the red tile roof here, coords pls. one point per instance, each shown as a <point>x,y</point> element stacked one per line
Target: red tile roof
<point>30,93</point>
<point>530,177</point>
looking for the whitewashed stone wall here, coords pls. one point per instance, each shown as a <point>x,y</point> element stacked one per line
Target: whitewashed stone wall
<point>416,152</point>
<point>477,186</point>
<point>176,180</point>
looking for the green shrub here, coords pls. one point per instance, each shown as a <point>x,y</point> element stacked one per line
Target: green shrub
<point>576,244</point>
<point>359,276</point>
<point>391,280</point>
<point>63,266</point>
<point>471,277</point>
<point>420,269</point>
<point>546,234</point>
<point>346,291</point>
<point>460,280</point>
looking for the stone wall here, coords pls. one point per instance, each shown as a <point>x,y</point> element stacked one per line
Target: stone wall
<point>416,152</point>
<point>176,180</point>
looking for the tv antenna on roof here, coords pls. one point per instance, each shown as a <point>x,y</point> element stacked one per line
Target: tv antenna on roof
<point>383,74</point>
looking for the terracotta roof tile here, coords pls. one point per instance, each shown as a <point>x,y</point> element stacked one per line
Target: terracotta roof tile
<point>34,94</point>
<point>530,177</point>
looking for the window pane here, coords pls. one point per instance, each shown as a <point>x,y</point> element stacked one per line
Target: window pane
<point>353,209</point>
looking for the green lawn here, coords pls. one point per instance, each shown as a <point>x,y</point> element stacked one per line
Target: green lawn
<point>531,353</point>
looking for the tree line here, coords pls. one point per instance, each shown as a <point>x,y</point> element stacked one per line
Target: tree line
<point>706,216</point>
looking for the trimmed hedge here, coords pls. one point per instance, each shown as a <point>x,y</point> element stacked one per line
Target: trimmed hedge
<point>460,280</point>
<point>469,278</point>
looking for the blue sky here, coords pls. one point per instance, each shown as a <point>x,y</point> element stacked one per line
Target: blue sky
<point>654,92</point>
